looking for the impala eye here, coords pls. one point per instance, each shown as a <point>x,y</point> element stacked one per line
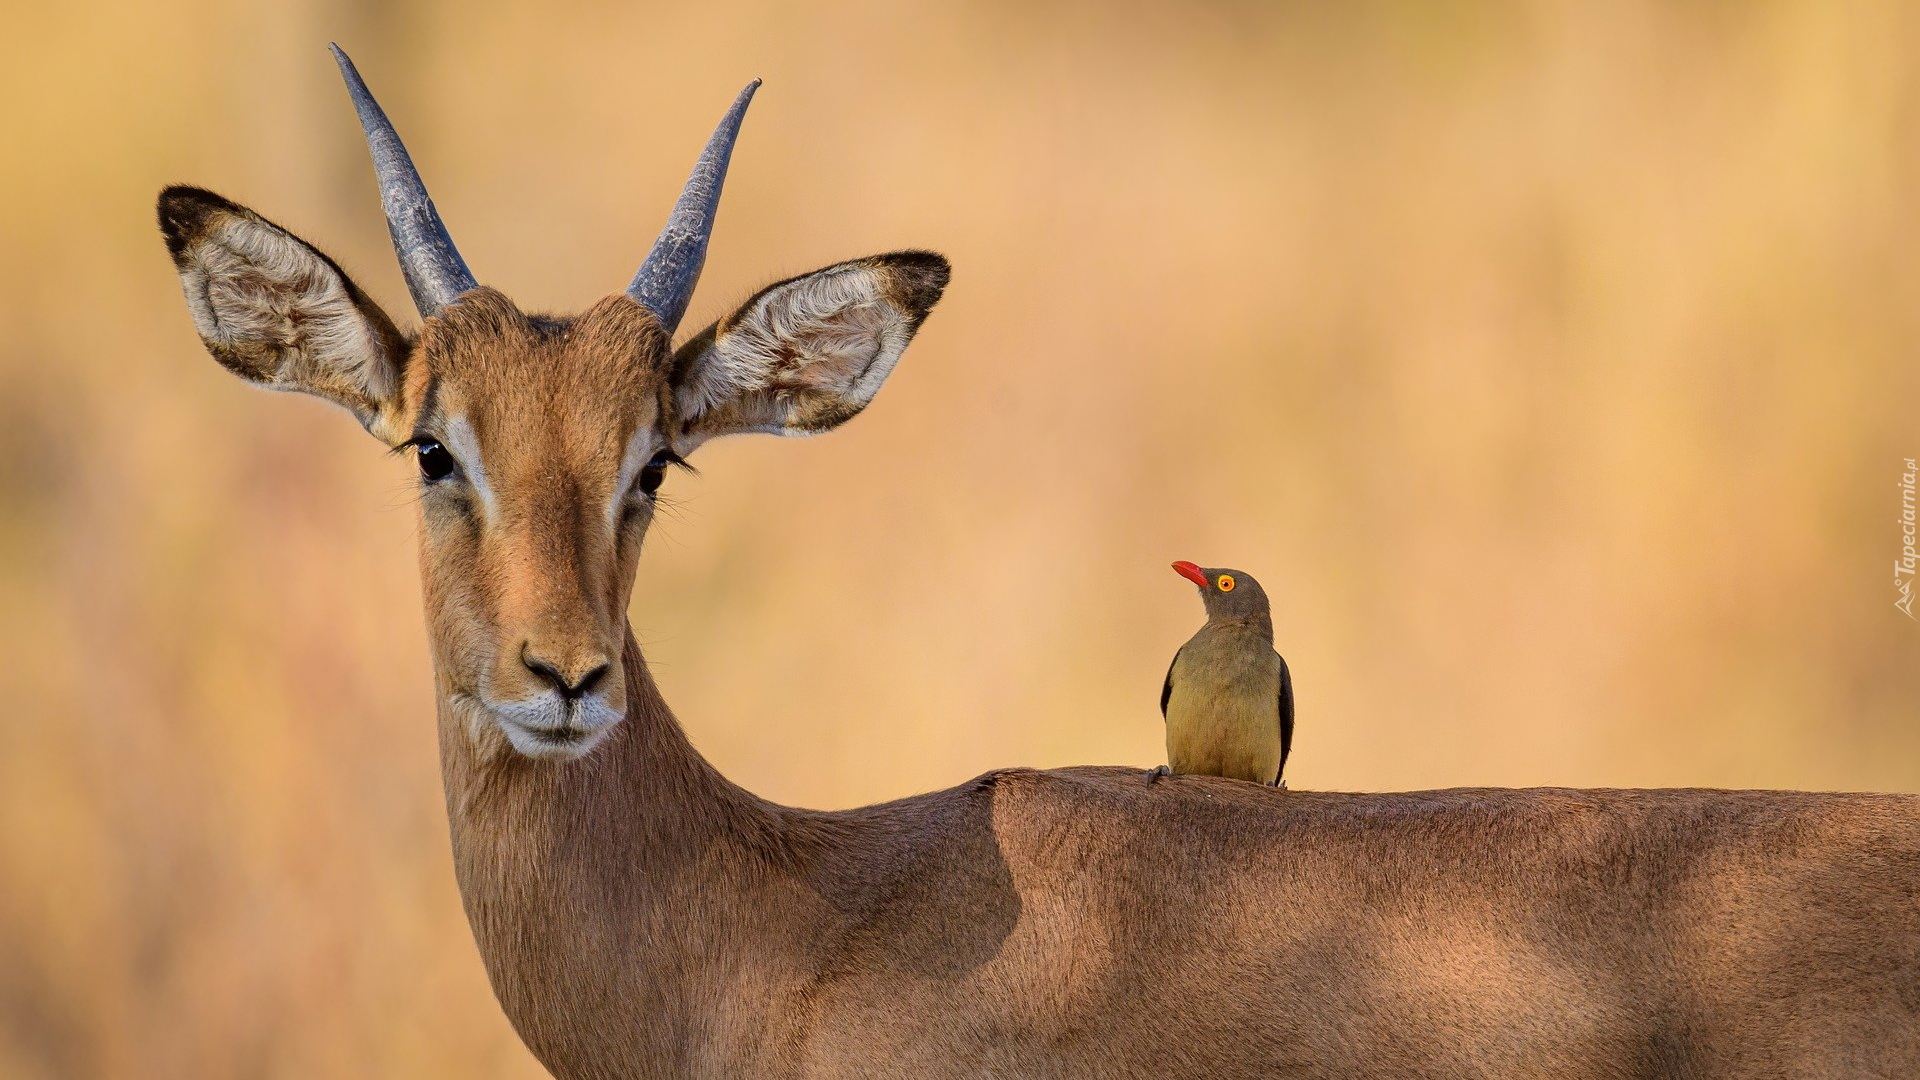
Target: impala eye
<point>656,471</point>
<point>435,462</point>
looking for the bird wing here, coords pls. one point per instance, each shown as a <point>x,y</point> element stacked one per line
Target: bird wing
<point>1166,688</point>
<point>1286,715</point>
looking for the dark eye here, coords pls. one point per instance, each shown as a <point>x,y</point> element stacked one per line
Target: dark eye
<point>435,462</point>
<point>654,473</point>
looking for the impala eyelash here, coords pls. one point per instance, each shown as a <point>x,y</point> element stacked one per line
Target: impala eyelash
<point>668,457</point>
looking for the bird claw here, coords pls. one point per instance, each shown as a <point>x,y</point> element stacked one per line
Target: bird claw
<point>1158,772</point>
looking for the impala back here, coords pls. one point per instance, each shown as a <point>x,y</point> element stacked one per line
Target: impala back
<point>1082,923</point>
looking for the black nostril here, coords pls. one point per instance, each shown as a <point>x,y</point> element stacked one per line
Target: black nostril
<point>571,691</point>
<point>546,671</point>
<point>590,680</point>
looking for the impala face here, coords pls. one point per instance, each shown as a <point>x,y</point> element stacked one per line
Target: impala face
<point>540,453</point>
<point>541,442</point>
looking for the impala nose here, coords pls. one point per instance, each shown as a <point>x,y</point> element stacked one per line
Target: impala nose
<point>572,681</point>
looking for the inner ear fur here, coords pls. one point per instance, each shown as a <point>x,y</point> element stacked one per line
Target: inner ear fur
<point>273,309</point>
<point>805,354</point>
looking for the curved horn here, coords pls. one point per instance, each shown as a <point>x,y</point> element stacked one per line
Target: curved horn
<point>665,281</point>
<point>435,272</point>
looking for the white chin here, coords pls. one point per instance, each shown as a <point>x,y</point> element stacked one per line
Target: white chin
<point>554,732</point>
<point>558,744</point>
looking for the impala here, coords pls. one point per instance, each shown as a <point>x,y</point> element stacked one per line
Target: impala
<point>639,915</point>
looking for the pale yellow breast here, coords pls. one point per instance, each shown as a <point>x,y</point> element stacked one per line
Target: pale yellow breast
<point>1223,714</point>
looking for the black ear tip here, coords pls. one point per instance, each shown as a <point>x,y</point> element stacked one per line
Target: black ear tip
<point>917,278</point>
<point>186,197</point>
<point>183,213</point>
<point>926,262</point>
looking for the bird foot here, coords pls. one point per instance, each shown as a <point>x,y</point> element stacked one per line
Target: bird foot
<point>1158,772</point>
<point>1280,785</point>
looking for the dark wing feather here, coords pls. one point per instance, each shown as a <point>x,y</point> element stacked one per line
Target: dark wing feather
<point>1286,717</point>
<point>1166,688</point>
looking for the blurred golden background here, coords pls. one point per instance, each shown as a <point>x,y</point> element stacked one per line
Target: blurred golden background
<point>1552,364</point>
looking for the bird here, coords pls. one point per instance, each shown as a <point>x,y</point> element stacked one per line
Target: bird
<point>1228,697</point>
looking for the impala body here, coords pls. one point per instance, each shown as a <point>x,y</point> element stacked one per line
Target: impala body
<point>640,916</point>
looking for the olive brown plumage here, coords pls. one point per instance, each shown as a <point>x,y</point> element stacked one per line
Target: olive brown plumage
<point>1228,698</point>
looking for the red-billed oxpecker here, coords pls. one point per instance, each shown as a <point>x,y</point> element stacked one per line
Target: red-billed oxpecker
<point>1228,699</point>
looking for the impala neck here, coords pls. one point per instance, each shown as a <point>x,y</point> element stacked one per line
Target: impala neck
<point>590,881</point>
<point>644,781</point>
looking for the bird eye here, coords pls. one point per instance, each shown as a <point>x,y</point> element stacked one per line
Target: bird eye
<point>1225,582</point>
<point>435,462</point>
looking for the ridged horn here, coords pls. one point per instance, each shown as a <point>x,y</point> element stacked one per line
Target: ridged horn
<point>666,280</point>
<point>435,272</point>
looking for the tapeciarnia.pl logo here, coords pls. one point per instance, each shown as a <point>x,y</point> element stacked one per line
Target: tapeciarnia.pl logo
<point>1904,565</point>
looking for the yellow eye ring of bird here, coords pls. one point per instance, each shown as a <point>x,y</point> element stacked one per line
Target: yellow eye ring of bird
<point>1224,583</point>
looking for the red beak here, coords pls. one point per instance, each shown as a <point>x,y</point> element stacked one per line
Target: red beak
<point>1191,573</point>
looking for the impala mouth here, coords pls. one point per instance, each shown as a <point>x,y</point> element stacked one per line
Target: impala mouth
<point>566,740</point>
<point>548,726</point>
<point>560,736</point>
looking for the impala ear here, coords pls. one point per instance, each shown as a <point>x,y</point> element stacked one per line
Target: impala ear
<point>274,310</point>
<point>805,354</point>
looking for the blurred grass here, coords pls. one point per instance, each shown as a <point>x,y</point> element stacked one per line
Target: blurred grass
<point>1552,365</point>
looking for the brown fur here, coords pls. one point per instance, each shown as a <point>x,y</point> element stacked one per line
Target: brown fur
<point>570,394</point>
<point>641,916</point>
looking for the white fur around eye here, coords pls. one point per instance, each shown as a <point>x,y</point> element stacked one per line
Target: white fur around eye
<point>464,444</point>
<point>640,449</point>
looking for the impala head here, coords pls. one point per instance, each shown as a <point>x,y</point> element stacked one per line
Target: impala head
<point>541,441</point>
